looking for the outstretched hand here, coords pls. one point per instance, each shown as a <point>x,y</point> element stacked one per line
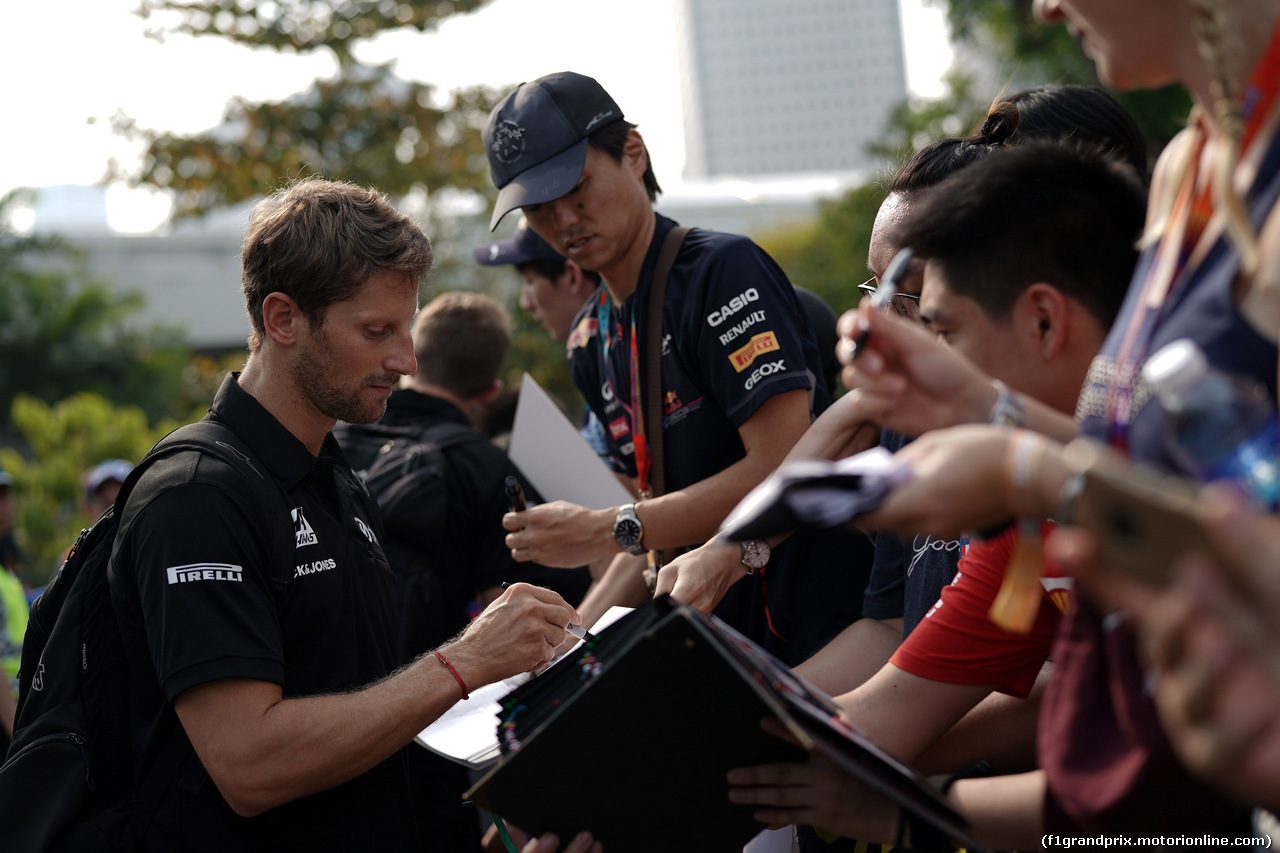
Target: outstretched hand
<point>812,793</point>
<point>701,577</point>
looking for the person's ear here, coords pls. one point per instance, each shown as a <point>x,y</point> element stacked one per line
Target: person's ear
<point>281,318</point>
<point>579,284</point>
<point>634,155</point>
<point>1044,317</point>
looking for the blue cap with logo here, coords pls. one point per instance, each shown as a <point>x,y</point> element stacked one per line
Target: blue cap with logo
<point>536,139</point>
<point>111,470</point>
<point>520,248</point>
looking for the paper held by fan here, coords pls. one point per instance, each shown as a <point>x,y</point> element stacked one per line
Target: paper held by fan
<point>815,494</point>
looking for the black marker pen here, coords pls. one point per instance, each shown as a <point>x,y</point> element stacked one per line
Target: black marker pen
<point>515,496</point>
<point>885,291</point>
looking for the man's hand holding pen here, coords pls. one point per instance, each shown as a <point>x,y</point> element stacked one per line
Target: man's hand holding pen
<point>519,632</point>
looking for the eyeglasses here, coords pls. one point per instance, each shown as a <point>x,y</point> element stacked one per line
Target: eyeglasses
<point>906,304</point>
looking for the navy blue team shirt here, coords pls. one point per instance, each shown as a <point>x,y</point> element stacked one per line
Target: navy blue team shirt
<point>734,335</point>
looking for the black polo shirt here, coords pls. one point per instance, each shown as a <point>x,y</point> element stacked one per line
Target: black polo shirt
<point>192,584</point>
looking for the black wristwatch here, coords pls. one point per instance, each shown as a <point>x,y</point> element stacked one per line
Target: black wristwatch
<point>755,555</point>
<point>628,530</point>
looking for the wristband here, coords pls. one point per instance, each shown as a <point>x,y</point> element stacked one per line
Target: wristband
<point>1067,497</point>
<point>454,672</point>
<point>1008,409</point>
<point>1022,464</point>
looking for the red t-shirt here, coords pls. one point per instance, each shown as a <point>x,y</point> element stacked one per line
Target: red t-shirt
<point>957,642</point>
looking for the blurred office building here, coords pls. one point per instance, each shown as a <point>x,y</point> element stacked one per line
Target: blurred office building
<point>785,87</point>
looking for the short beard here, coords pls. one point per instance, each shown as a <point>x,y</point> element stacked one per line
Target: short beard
<point>310,374</point>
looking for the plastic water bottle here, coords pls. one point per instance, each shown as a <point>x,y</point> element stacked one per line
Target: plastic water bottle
<point>1217,426</point>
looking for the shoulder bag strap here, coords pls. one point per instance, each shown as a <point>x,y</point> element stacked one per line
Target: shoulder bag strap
<point>653,356</point>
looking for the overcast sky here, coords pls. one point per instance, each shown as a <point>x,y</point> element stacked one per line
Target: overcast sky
<point>68,71</point>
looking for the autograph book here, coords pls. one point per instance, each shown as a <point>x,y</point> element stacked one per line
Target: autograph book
<point>632,739</point>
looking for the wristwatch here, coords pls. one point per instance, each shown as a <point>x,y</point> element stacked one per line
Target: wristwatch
<point>755,555</point>
<point>628,530</point>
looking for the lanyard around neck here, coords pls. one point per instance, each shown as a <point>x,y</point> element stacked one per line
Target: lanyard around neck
<point>635,411</point>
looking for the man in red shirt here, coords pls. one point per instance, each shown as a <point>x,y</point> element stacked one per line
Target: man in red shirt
<point>1055,230</point>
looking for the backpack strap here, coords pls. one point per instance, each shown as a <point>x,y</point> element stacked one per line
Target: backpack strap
<point>219,440</point>
<point>448,434</point>
<point>441,436</point>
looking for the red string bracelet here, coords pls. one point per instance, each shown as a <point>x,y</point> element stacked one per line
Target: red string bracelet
<point>449,666</point>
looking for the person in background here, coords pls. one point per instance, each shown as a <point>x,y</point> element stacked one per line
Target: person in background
<point>102,483</point>
<point>554,289</point>
<point>13,609</point>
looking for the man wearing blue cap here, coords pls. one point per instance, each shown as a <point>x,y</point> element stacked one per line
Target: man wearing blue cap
<point>554,288</point>
<point>102,483</point>
<point>739,363</point>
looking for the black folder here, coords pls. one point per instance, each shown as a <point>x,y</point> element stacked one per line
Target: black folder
<point>631,739</point>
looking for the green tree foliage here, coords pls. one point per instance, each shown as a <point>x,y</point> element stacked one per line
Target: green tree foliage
<point>62,331</point>
<point>364,125</point>
<point>64,440</point>
<point>830,256</point>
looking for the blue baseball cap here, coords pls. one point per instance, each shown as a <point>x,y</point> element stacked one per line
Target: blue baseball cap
<point>104,472</point>
<point>536,139</point>
<point>520,248</point>
<point>5,478</point>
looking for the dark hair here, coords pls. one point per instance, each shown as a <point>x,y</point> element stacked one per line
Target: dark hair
<point>1065,214</point>
<point>1084,114</point>
<point>612,138</point>
<point>1056,113</point>
<point>319,241</point>
<point>552,270</point>
<point>461,340</point>
<point>938,160</point>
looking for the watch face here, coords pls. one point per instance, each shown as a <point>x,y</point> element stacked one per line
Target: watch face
<point>755,553</point>
<point>627,532</point>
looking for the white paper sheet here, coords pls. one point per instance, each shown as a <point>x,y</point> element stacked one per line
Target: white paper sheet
<point>555,457</point>
<point>468,732</point>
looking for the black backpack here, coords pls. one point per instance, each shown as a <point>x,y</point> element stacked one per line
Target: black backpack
<point>67,783</point>
<point>403,467</point>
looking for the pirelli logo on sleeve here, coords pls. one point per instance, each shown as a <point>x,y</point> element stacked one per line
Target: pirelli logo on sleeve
<point>764,342</point>
<point>205,572</point>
